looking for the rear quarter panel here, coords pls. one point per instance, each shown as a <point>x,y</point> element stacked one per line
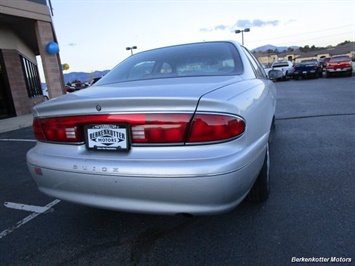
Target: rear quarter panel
<point>253,100</point>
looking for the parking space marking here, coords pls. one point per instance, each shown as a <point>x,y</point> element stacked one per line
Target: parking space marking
<point>27,219</point>
<point>25,207</point>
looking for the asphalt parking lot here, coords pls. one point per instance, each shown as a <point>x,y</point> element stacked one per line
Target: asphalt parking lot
<point>309,216</point>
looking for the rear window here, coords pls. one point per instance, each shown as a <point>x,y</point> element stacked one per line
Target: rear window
<point>280,65</point>
<point>339,59</point>
<point>200,59</point>
<point>309,62</point>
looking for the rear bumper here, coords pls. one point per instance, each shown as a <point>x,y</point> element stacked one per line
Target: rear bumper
<point>206,185</point>
<point>339,70</point>
<point>305,73</point>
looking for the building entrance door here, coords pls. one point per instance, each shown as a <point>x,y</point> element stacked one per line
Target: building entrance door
<point>7,108</point>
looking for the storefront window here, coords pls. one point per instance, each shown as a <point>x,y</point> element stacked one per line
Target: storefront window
<point>33,82</point>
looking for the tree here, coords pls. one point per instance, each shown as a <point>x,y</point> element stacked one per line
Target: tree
<point>344,42</point>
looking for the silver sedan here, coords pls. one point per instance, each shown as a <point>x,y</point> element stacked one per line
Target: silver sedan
<point>177,130</point>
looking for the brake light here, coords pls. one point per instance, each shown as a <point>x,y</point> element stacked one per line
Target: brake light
<point>145,128</point>
<point>160,128</point>
<point>208,127</point>
<point>61,129</point>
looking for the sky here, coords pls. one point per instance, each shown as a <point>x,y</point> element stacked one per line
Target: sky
<point>93,34</point>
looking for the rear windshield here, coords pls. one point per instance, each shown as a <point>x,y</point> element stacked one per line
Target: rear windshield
<point>312,61</point>
<point>339,59</point>
<point>200,59</point>
<point>280,65</point>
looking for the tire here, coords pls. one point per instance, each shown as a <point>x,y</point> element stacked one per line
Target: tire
<point>328,75</point>
<point>261,188</point>
<point>272,130</point>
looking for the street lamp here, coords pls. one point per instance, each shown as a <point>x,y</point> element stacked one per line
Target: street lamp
<point>131,48</point>
<point>242,31</point>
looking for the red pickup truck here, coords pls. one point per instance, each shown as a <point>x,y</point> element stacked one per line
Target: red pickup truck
<point>340,64</point>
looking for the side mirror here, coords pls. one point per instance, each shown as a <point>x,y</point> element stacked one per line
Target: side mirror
<point>275,74</point>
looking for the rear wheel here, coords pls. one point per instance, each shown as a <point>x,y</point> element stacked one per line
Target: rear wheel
<point>261,188</point>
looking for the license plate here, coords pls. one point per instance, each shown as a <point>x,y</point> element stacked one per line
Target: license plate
<point>107,137</point>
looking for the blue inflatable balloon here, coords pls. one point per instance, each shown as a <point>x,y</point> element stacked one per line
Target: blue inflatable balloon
<point>52,48</point>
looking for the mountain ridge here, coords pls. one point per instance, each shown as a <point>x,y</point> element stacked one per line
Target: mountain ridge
<point>83,76</point>
<point>267,47</point>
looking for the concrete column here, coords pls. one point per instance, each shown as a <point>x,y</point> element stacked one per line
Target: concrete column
<point>51,63</point>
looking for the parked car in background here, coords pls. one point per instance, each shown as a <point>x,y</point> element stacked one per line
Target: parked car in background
<point>286,67</point>
<point>324,62</point>
<point>266,69</point>
<point>311,68</point>
<point>76,86</point>
<point>340,64</point>
<point>45,93</point>
<point>188,134</point>
<point>69,89</point>
<point>94,80</point>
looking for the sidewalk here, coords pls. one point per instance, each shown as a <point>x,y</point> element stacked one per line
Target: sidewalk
<point>14,123</point>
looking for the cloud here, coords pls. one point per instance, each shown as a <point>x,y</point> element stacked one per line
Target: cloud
<point>256,23</point>
<point>243,23</point>
<point>221,27</point>
<point>72,44</point>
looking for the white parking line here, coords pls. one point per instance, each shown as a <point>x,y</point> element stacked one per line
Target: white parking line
<point>25,207</point>
<point>28,218</point>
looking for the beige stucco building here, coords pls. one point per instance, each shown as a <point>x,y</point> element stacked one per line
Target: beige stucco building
<point>26,28</point>
<point>297,56</point>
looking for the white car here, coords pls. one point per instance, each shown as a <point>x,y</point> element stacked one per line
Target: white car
<point>286,67</point>
<point>181,129</point>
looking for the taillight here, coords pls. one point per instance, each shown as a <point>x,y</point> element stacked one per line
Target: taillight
<point>60,129</point>
<point>210,127</point>
<point>160,128</point>
<point>37,129</point>
<point>145,128</point>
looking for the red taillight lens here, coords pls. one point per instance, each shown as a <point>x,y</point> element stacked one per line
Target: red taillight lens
<point>208,127</point>
<point>161,128</point>
<point>61,129</point>
<point>37,129</point>
<point>145,128</point>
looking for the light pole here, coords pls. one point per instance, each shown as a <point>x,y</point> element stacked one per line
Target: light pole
<point>131,48</point>
<point>242,31</point>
